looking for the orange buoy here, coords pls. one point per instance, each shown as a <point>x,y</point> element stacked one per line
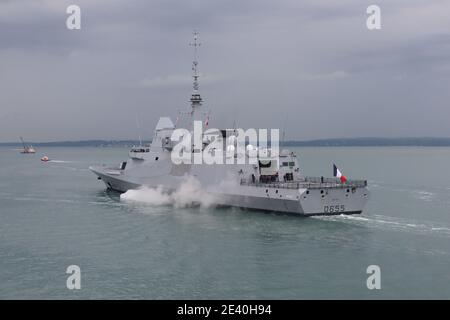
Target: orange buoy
<point>45,158</point>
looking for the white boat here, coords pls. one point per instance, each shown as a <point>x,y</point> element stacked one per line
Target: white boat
<point>26,148</point>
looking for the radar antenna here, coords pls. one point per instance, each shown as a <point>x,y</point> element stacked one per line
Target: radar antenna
<point>196,100</point>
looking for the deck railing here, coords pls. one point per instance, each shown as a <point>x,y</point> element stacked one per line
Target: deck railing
<point>308,183</point>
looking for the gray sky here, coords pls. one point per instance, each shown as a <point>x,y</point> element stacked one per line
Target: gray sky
<point>310,64</point>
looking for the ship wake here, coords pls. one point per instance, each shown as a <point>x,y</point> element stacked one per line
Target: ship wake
<point>394,223</point>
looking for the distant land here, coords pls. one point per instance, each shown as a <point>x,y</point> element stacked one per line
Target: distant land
<point>82,143</point>
<point>340,142</point>
<point>372,142</point>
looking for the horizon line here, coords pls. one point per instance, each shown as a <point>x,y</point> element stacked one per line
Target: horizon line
<point>357,141</point>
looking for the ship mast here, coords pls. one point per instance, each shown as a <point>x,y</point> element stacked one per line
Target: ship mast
<point>196,99</point>
<point>23,143</point>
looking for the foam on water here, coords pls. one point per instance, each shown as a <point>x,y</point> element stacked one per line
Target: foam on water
<point>188,194</point>
<point>154,196</point>
<point>391,223</point>
<point>424,195</point>
<point>61,161</point>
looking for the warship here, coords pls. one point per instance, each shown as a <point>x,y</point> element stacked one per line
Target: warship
<point>273,181</point>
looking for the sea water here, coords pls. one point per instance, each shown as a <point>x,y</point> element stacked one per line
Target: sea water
<point>140,246</point>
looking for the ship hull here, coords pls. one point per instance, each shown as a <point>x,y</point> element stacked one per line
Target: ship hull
<point>113,182</point>
<point>302,201</point>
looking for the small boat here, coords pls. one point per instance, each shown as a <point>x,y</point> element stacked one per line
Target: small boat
<point>45,159</point>
<point>27,149</point>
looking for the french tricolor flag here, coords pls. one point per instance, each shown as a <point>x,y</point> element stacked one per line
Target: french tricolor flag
<point>337,173</point>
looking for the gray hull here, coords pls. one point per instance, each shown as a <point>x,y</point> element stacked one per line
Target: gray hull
<point>328,200</point>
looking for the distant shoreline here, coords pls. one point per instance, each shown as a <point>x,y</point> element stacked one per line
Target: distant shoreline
<point>339,142</point>
<point>372,142</point>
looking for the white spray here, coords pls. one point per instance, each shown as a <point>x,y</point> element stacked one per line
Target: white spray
<point>188,194</point>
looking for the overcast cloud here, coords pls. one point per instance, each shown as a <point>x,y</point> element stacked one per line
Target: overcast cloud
<point>311,66</point>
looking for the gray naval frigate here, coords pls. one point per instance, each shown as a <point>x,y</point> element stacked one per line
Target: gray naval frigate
<point>274,182</point>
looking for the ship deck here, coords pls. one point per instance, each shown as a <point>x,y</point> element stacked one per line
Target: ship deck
<point>309,183</point>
